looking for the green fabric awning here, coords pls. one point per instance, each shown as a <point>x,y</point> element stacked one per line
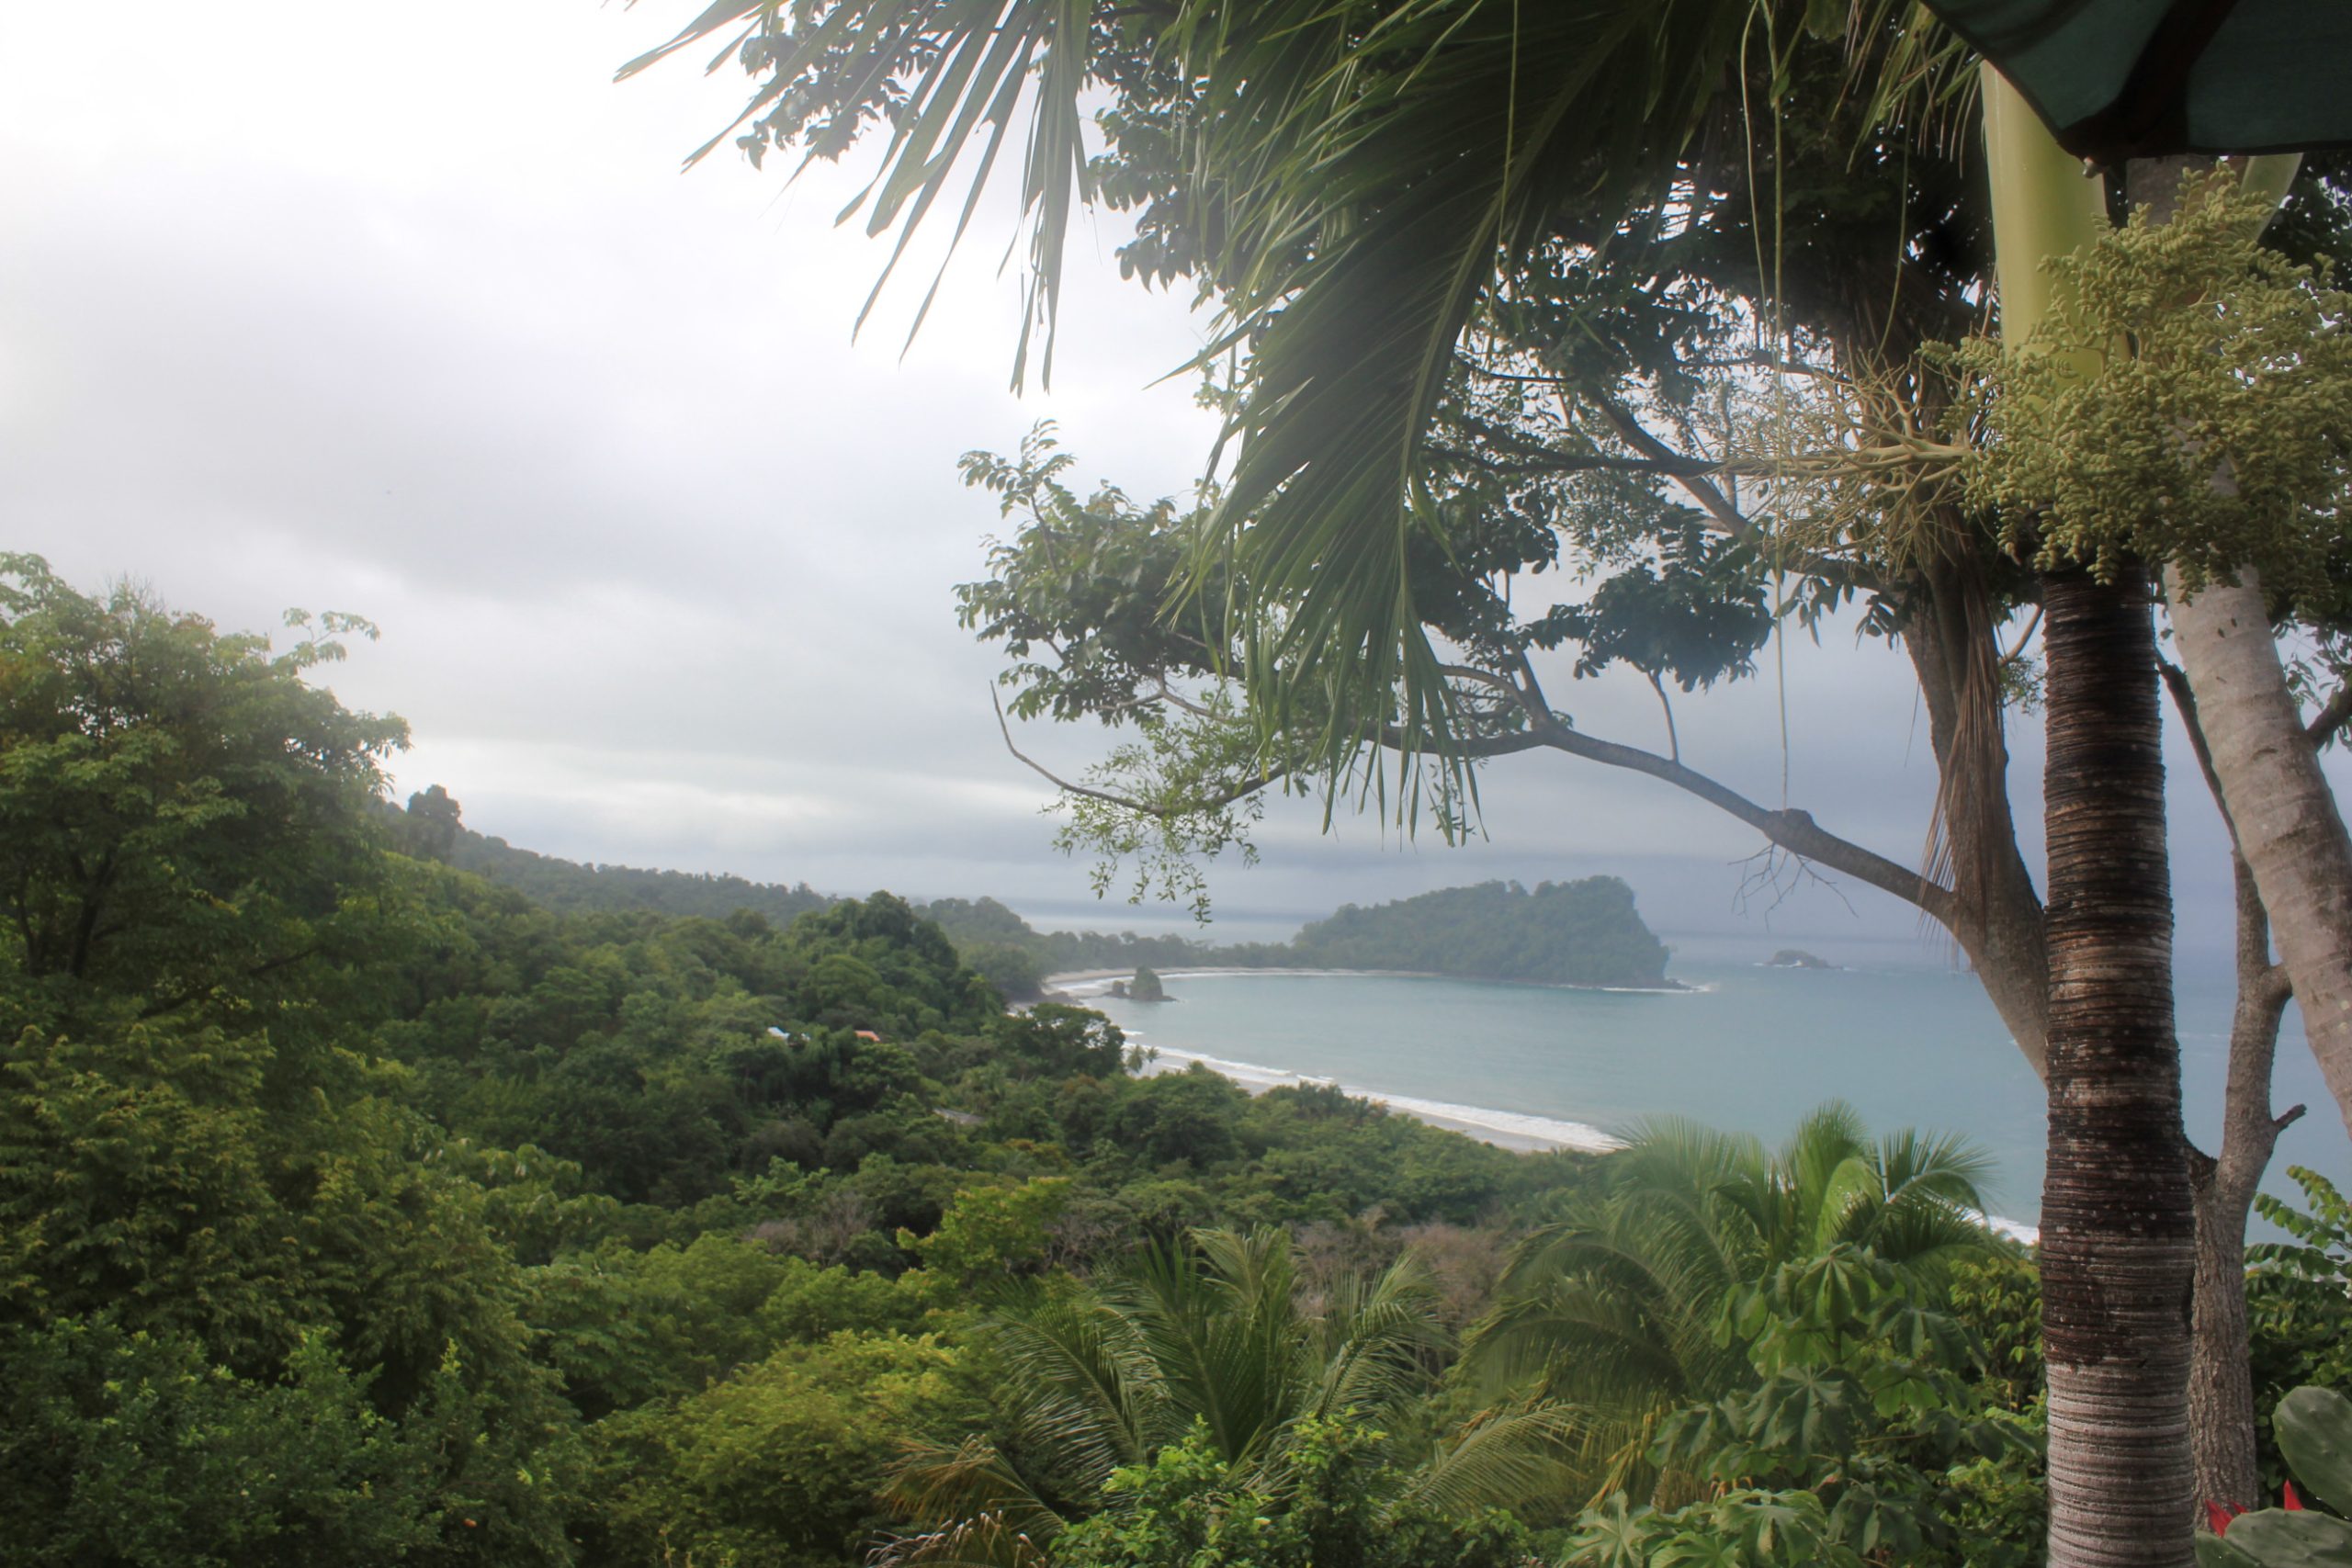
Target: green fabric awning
<point>2119,79</point>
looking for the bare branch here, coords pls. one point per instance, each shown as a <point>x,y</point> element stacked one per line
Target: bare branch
<point>1690,476</point>
<point>1482,677</point>
<point>2333,717</point>
<point>1540,460</point>
<point>1766,873</point>
<point>1170,696</point>
<point>2025,637</point>
<point>1673,741</point>
<point>1793,830</point>
<point>2185,700</point>
<point>1240,790</point>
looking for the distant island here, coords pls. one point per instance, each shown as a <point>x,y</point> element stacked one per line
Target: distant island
<point>1144,987</point>
<point>1797,958</point>
<point>1585,933</point>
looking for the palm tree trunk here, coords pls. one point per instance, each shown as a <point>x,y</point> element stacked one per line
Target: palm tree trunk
<point>2279,806</point>
<point>2118,1231</point>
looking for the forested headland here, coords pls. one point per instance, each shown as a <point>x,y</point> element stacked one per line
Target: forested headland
<point>1585,933</point>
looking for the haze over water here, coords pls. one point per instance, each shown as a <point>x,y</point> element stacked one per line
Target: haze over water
<point>1907,1042</point>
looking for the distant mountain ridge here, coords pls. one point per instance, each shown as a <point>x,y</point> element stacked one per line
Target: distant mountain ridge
<point>431,827</point>
<point>1586,932</point>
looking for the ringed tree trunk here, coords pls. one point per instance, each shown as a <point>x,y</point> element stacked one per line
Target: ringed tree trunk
<point>2280,810</point>
<point>2118,1229</point>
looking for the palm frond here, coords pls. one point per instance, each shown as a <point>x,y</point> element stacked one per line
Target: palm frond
<point>1371,1348</point>
<point>1084,1387</point>
<point>1914,72</point>
<point>1215,1315</point>
<point>1386,174</point>
<point>976,1491</point>
<point>986,1540</point>
<point>954,79</point>
<point>1498,1458</point>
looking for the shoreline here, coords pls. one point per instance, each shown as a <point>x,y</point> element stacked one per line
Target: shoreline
<point>1512,1131</point>
<point>1516,1132</point>
<point>1054,988</point>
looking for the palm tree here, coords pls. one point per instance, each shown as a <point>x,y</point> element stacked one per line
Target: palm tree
<point>1359,183</point>
<point>1205,1335</point>
<point>1616,1310</point>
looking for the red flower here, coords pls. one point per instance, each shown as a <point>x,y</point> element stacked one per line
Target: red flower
<point>2219,1515</point>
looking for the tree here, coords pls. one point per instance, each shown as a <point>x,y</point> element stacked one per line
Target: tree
<point>181,813</point>
<point>1392,212</point>
<point>1202,1349</point>
<point>1617,1308</point>
<point>1188,1509</point>
<point>2275,479</point>
<point>781,1465</point>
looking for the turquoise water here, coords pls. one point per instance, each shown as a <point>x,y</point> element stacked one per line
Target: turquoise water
<point>1751,1050</point>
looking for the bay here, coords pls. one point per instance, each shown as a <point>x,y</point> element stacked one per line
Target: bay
<point>1906,1040</point>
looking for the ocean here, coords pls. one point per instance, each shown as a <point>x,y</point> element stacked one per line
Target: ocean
<point>1906,1040</point>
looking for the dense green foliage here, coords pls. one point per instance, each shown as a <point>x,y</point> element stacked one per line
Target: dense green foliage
<point>354,1208</point>
<point>1575,933</point>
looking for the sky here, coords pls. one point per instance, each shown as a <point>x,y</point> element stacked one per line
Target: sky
<point>409,312</point>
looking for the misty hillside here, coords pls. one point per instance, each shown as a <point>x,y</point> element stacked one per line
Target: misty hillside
<point>432,828</point>
<point>1578,933</point>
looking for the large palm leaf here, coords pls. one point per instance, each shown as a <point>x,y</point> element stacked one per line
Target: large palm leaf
<point>1205,1333</point>
<point>954,80</point>
<point>1371,181</point>
<point>1089,1392</point>
<point>1616,1310</point>
<point>1361,178</point>
<point>1218,1322</point>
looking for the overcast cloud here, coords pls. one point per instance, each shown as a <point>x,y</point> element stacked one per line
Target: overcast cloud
<point>408,312</point>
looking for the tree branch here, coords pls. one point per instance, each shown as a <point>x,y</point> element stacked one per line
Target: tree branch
<point>1793,830</point>
<point>2333,717</point>
<point>2017,650</point>
<point>1126,803</point>
<point>2185,700</point>
<point>1673,741</point>
<point>1710,497</point>
<point>1536,461</point>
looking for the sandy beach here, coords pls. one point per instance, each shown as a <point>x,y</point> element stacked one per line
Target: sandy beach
<point>1504,1129</point>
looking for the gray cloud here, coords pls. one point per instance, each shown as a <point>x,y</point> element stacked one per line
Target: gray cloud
<point>410,313</point>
